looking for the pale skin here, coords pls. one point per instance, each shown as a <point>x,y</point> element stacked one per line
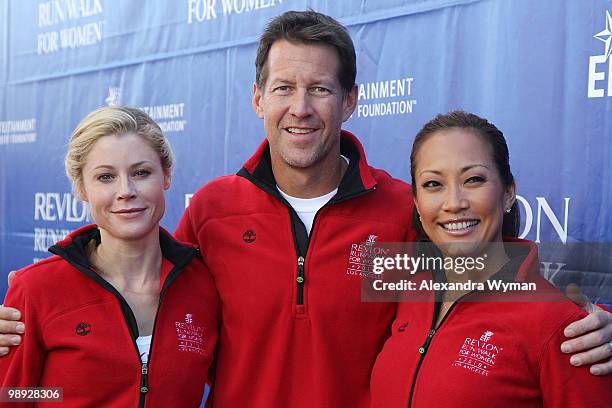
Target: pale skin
<point>124,183</point>
<point>134,271</point>
<point>309,165</point>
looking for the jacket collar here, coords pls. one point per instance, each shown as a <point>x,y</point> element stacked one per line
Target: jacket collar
<point>73,248</point>
<point>357,180</point>
<point>523,265</point>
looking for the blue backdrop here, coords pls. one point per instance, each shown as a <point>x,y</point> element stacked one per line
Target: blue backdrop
<point>540,70</point>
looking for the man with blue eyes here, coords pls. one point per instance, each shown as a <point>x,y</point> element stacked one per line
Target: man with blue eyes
<point>281,236</point>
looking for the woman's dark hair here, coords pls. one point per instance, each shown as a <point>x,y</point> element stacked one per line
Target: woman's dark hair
<point>489,134</point>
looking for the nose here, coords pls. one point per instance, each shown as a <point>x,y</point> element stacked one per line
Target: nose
<point>455,200</point>
<point>301,104</point>
<point>127,188</point>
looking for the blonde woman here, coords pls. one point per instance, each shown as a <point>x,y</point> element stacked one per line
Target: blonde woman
<point>122,315</point>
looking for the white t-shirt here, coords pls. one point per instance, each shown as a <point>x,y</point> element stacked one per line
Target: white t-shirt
<point>306,208</point>
<point>144,346</point>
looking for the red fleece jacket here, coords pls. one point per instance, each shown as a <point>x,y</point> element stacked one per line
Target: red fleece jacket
<point>81,333</point>
<point>295,333</point>
<point>492,350</point>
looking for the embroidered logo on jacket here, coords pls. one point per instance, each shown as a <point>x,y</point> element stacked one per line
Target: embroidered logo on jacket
<point>83,329</point>
<point>249,236</point>
<point>478,355</point>
<point>190,336</point>
<point>486,336</point>
<point>361,257</point>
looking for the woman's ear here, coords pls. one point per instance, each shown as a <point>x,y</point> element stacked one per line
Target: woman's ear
<point>509,197</point>
<point>81,193</point>
<point>416,206</point>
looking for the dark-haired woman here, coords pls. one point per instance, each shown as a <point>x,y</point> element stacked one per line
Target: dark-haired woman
<point>476,346</point>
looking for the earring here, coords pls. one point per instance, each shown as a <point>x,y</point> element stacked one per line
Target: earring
<point>507,210</point>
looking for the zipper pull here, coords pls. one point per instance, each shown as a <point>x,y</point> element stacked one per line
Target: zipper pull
<point>300,274</point>
<point>144,387</point>
<point>425,345</point>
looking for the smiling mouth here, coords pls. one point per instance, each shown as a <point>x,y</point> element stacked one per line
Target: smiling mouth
<point>300,131</point>
<point>128,211</point>
<point>459,225</point>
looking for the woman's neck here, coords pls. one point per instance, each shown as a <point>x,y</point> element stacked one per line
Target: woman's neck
<point>493,257</point>
<point>129,265</point>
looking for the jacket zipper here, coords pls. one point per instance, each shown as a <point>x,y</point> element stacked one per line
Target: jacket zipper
<point>82,264</point>
<point>301,240</point>
<point>300,280</point>
<point>128,314</point>
<point>301,255</point>
<point>425,346</point>
<point>144,368</point>
<point>144,385</point>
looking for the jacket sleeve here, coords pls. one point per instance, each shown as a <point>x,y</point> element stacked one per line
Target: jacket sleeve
<point>564,385</point>
<point>23,365</point>
<point>185,231</point>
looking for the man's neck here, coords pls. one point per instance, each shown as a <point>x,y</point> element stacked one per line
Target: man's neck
<point>310,182</point>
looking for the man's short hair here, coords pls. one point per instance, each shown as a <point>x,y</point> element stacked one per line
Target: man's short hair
<point>308,27</point>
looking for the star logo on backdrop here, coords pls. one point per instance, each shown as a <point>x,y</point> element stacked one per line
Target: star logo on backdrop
<point>114,96</point>
<point>606,35</point>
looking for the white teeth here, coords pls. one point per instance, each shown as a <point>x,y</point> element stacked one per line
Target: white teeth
<point>454,226</point>
<point>299,130</point>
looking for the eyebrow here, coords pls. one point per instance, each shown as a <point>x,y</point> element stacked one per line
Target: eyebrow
<point>103,166</point>
<point>322,81</point>
<point>279,81</point>
<point>108,166</point>
<point>463,169</point>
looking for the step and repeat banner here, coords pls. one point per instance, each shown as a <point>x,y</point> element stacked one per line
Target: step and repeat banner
<point>540,70</point>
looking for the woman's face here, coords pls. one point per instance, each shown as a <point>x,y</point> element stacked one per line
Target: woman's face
<point>459,194</point>
<point>124,183</point>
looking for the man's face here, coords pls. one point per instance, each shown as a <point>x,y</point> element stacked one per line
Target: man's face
<point>303,105</point>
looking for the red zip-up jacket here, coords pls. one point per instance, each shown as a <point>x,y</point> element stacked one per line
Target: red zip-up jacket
<point>295,332</point>
<point>492,349</point>
<point>81,332</point>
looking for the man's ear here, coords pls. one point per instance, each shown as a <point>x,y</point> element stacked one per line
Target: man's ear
<point>349,103</point>
<point>257,106</point>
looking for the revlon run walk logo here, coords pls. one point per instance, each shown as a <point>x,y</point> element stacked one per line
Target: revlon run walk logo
<point>600,81</point>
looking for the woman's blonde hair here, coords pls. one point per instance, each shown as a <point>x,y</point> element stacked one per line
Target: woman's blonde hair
<point>108,121</point>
